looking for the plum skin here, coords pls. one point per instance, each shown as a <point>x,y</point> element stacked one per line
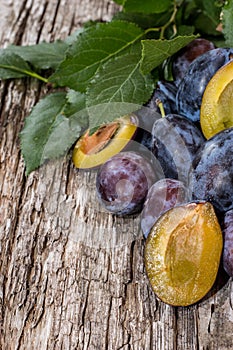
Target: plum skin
<point>183,58</point>
<point>162,196</point>
<point>175,142</point>
<point>211,175</point>
<point>192,86</point>
<point>122,183</point>
<point>228,242</point>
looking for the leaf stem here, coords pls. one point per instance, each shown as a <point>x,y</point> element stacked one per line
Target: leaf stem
<point>156,29</point>
<point>171,20</point>
<point>24,71</point>
<point>153,29</point>
<point>37,76</point>
<point>164,27</point>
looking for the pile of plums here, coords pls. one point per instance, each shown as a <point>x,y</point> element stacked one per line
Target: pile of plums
<point>179,182</point>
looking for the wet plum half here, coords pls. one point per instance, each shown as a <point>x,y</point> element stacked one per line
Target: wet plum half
<point>182,253</point>
<point>93,149</point>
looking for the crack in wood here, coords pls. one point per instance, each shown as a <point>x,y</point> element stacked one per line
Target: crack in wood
<point>55,15</point>
<point>21,20</point>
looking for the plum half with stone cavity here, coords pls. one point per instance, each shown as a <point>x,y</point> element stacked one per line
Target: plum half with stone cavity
<point>182,253</point>
<point>93,149</point>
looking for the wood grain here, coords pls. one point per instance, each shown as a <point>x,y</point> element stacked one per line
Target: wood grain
<point>71,275</point>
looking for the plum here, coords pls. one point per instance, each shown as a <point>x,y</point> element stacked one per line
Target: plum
<point>163,195</point>
<point>182,253</point>
<point>123,182</point>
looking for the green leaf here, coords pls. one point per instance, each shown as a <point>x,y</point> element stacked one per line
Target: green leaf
<point>117,89</point>
<point>94,47</point>
<point>210,8</point>
<point>75,101</point>
<point>147,6</point>
<point>227,21</point>
<point>48,133</point>
<point>44,55</point>
<point>154,52</point>
<point>75,109</point>
<point>185,30</point>
<point>13,66</point>
<point>144,20</point>
<point>208,17</point>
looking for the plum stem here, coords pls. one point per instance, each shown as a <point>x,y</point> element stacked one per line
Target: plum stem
<point>159,103</point>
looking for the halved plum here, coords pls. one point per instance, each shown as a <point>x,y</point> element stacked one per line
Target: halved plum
<point>94,149</point>
<point>216,112</point>
<point>182,253</point>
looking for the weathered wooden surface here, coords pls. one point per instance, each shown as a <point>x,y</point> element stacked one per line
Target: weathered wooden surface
<point>72,276</point>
